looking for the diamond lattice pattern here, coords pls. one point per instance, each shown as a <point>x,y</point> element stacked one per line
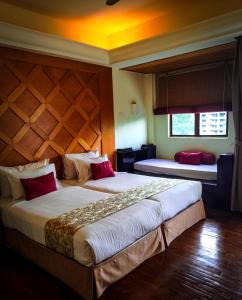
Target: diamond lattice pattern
<point>46,111</point>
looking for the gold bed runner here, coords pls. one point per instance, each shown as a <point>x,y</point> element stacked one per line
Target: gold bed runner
<point>59,231</point>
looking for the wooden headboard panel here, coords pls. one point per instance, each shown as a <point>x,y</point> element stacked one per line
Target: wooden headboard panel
<point>50,106</point>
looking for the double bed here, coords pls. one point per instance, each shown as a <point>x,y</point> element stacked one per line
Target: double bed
<point>109,247</point>
<point>177,200</point>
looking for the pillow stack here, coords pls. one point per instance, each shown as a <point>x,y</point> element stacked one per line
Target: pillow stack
<point>70,171</point>
<point>11,179</point>
<point>195,158</point>
<point>85,166</point>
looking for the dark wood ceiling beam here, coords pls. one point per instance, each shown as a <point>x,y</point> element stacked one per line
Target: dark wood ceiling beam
<point>203,56</point>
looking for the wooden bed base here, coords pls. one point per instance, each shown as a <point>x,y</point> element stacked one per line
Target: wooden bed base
<point>91,282</point>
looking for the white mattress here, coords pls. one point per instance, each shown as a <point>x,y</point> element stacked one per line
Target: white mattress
<point>95,242</point>
<point>172,201</point>
<point>170,167</point>
<point>121,182</point>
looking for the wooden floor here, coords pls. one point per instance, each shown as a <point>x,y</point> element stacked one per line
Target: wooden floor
<point>204,263</point>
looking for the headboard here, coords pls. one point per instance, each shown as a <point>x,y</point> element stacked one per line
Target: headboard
<point>50,106</point>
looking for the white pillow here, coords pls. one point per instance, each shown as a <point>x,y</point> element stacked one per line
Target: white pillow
<point>83,166</point>
<point>4,171</point>
<point>68,162</point>
<point>17,189</point>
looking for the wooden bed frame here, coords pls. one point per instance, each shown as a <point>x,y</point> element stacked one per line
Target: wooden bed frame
<point>91,282</point>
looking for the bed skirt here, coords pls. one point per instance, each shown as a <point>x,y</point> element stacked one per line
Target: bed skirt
<point>88,282</point>
<point>182,221</point>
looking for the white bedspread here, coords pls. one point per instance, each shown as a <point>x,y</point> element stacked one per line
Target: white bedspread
<point>121,182</point>
<point>171,167</point>
<point>95,242</point>
<point>172,201</point>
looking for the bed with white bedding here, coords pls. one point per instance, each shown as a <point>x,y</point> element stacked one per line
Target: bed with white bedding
<point>108,248</point>
<point>173,168</point>
<point>104,251</point>
<point>173,200</point>
<point>95,242</point>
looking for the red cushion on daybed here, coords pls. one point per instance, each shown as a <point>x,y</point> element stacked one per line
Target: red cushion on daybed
<point>102,170</point>
<point>177,156</point>
<point>208,158</point>
<point>39,186</point>
<point>191,158</point>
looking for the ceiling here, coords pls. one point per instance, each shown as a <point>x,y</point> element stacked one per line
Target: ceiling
<point>111,27</point>
<point>87,8</point>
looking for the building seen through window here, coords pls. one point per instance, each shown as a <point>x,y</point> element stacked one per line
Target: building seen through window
<point>201,124</point>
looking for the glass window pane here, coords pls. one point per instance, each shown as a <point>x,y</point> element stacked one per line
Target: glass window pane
<point>183,124</point>
<point>214,123</point>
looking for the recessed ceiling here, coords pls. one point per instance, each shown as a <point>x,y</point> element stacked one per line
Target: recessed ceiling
<point>109,27</point>
<point>83,8</point>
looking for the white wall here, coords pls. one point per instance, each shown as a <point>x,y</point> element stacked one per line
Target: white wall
<point>167,146</point>
<point>133,130</point>
<point>130,128</point>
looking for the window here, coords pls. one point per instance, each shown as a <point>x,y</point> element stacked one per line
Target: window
<point>201,124</point>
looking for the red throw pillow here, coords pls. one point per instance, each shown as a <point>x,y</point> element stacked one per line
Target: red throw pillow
<point>208,158</point>
<point>102,170</point>
<point>39,186</point>
<point>177,156</point>
<point>190,158</point>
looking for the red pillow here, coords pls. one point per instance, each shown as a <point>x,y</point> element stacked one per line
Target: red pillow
<point>177,156</point>
<point>190,158</point>
<point>208,158</point>
<point>39,186</point>
<point>102,170</point>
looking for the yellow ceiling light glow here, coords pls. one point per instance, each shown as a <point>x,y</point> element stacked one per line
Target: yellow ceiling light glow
<point>127,22</point>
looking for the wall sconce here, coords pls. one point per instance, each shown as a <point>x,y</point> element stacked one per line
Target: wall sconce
<point>133,107</point>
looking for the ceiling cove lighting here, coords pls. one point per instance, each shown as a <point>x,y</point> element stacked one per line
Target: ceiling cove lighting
<point>111,2</point>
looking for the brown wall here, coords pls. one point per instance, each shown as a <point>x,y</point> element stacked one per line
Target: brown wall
<point>50,106</point>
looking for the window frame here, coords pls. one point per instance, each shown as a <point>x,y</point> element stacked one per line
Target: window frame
<point>197,122</point>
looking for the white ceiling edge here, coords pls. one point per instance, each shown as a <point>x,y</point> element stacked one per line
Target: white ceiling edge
<point>28,39</point>
<point>212,32</point>
<point>173,52</point>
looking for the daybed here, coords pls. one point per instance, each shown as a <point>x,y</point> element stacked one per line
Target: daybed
<point>216,179</point>
<point>173,168</point>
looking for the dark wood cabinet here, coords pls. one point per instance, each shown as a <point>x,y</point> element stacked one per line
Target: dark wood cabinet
<point>217,194</point>
<point>224,180</point>
<point>128,156</point>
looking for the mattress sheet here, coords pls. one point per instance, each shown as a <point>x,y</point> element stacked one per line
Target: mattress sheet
<point>170,167</point>
<point>94,242</point>
<point>121,182</point>
<point>178,198</point>
<point>173,201</point>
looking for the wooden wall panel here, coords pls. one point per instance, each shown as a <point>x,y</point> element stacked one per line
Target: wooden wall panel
<point>50,106</point>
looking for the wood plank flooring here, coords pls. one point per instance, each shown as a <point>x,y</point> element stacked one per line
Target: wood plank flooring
<point>204,263</point>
